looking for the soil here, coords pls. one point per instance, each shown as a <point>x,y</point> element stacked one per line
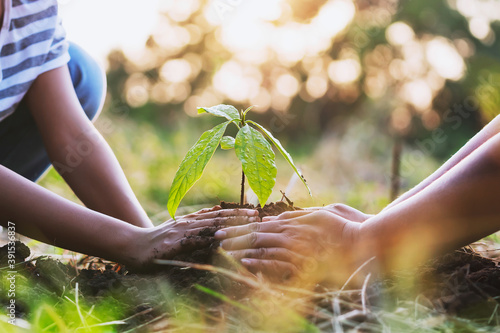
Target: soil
<point>272,209</point>
<point>460,283</point>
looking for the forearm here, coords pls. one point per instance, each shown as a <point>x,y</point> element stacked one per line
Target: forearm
<point>79,152</point>
<point>455,210</point>
<point>41,214</point>
<point>90,168</point>
<point>484,135</point>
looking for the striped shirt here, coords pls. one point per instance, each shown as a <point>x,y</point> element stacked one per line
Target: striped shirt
<point>32,42</point>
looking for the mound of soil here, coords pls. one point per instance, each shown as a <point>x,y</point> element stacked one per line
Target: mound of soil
<point>271,209</point>
<point>462,283</point>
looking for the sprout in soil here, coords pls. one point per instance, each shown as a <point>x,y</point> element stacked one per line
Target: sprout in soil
<point>251,147</point>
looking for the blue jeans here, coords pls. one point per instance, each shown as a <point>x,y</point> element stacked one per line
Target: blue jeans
<point>21,146</point>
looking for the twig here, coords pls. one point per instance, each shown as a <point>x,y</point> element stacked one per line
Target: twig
<point>356,272</point>
<point>337,327</point>
<point>364,299</point>
<point>290,203</point>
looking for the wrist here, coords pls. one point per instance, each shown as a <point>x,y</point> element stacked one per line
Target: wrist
<point>360,248</point>
<point>125,245</point>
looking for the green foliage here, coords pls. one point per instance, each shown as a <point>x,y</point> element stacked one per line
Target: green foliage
<point>193,165</point>
<point>251,147</point>
<point>227,143</point>
<point>257,159</point>
<point>282,150</point>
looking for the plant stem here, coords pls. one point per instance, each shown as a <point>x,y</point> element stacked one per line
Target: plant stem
<point>242,195</point>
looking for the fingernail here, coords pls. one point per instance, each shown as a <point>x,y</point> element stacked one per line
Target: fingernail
<point>251,212</point>
<point>219,234</point>
<point>245,262</point>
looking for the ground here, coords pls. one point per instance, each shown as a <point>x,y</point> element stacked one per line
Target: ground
<point>457,293</point>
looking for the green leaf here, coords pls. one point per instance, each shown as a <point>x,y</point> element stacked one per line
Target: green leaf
<point>192,166</point>
<point>283,152</point>
<point>257,159</point>
<point>222,110</point>
<point>248,109</point>
<point>227,142</point>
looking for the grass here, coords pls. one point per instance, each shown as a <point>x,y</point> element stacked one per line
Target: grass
<point>338,170</point>
<point>268,308</point>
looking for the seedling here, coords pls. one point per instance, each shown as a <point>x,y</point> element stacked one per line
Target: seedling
<point>251,147</point>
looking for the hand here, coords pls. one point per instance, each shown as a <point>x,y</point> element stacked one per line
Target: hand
<point>344,211</point>
<point>293,243</point>
<point>186,233</point>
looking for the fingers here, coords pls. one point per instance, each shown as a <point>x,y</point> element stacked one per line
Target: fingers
<point>255,240</point>
<point>274,269</point>
<point>204,231</point>
<point>206,210</point>
<point>274,227</point>
<point>216,222</point>
<point>288,215</point>
<point>217,212</point>
<point>272,253</point>
<point>240,220</point>
<point>191,243</point>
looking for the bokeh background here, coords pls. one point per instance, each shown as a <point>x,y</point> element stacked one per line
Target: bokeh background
<point>357,91</point>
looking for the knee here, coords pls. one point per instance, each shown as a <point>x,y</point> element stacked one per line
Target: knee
<point>89,81</point>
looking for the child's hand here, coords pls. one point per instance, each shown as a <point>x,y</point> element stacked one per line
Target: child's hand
<point>187,233</point>
<point>292,243</point>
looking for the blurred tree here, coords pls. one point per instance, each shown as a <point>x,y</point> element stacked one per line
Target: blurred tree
<point>412,67</point>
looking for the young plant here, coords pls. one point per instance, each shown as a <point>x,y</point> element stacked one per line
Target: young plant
<point>251,147</point>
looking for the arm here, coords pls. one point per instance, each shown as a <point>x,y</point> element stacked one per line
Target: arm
<point>459,207</point>
<point>484,135</point>
<point>43,215</point>
<point>106,227</point>
<point>79,152</point>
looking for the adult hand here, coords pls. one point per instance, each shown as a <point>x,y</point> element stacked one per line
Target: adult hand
<point>293,243</point>
<point>186,233</point>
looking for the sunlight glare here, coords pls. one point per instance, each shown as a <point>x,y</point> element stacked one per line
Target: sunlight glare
<point>316,86</point>
<point>99,26</point>
<point>444,58</point>
<point>287,85</point>
<point>399,33</point>
<point>334,17</point>
<point>418,93</point>
<point>237,82</point>
<point>479,27</point>
<point>175,70</point>
<point>344,71</point>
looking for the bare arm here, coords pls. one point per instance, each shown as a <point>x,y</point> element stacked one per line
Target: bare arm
<point>455,210</point>
<point>486,133</point>
<point>45,216</point>
<point>79,152</point>
<point>458,208</point>
<point>42,215</point>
